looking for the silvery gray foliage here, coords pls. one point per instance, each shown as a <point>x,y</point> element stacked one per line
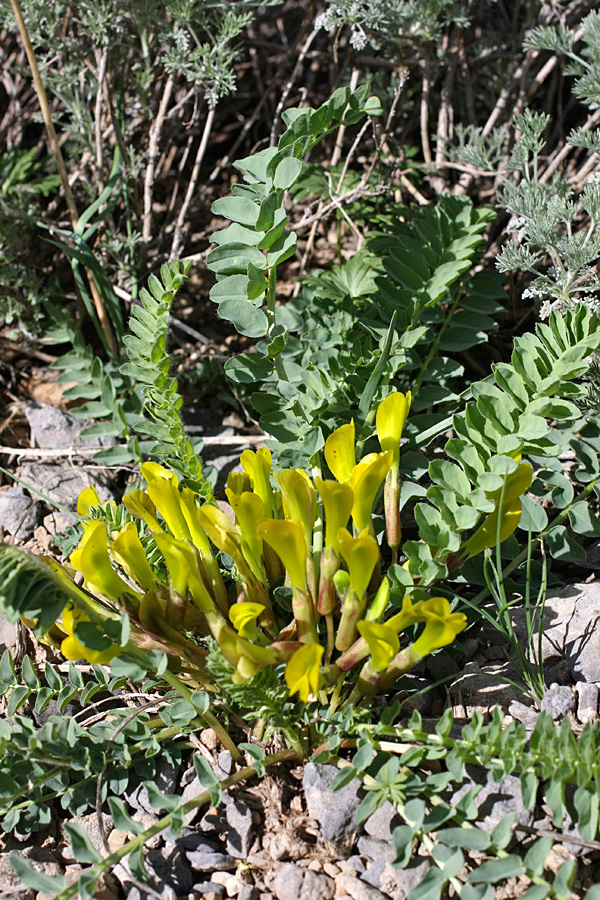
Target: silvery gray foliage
<point>373,22</point>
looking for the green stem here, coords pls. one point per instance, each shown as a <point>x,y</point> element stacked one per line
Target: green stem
<point>168,820</point>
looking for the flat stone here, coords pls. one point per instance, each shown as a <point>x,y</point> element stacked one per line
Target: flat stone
<point>54,429</point>
<point>569,629</point>
<point>587,708</point>
<point>487,686</point>
<point>210,890</point>
<point>9,634</point>
<point>239,828</point>
<point>357,888</point>
<point>396,883</point>
<point>249,892</point>
<point>559,700</point>
<point>495,799</point>
<point>168,865</point>
<point>382,823</point>
<point>64,484</point>
<point>352,866</point>
<point>333,810</point>
<point>20,514</point>
<point>523,713</point>
<point>206,859</point>
<point>91,826</point>
<point>375,849</point>
<point>292,882</point>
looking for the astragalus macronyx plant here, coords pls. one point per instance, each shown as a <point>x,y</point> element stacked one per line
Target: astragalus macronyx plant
<point>293,576</point>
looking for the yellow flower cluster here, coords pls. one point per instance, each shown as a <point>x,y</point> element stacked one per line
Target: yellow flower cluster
<point>316,535</point>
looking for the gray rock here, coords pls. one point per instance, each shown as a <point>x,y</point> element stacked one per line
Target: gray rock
<point>486,687</point>
<point>352,866</point>
<point>164,891</point>
<point>587,708</point>
<point>333,810</point>
<point>91,826</point>
<point>249,892</point>
<point>9,634</point>
<point>569,630</point>
<point>54,429</point>
<point>224,764</point>
<point>396,883</point>
<point>208,859</point>
<point>209,887</point>
<point>165,778</point>
<point>495,799</point>
<point>64,484</point>
<point>559,700</point>
<point>239,828</point>
<point>19,513</point>
<point>527,715</point>
<point>294,883</point>
<point>382,823</point>
<point>168,866</point>
<point>372,848</point>
<point>357,888</point>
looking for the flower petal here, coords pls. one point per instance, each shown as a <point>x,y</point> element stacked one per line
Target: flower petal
<point>92,560</point>
<point>365,481</point>
<point>337,504</point>
<point>390,419</point>
<point>286,537</point>
<point>340,452</point>
<point>302,671</point>
<point>360,555</point>
<point>383,643</point>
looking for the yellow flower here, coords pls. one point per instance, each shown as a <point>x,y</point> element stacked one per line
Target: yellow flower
<point>88,497</point>
<point>184,572</point>
<point>337,504</point>
<point>302,671</point>
<point>238,482</point>
<point>299,499</point>
<point>258,468</point>
<point>390,419</point>
<point>139,504</point>
<point>441,626</point>
<point>71,648</point>
<point>383,643</point>
<point>128,552</point>
<point>92,560</point>
<point>248,509</point>
<point>163,490</point>
<point>515,484</point>
<point>486,535</point>
<point>340,452</point>
<point>365,480</point>
<point>360,555</point>
<point>243,618</point>
<point>286,537</point>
